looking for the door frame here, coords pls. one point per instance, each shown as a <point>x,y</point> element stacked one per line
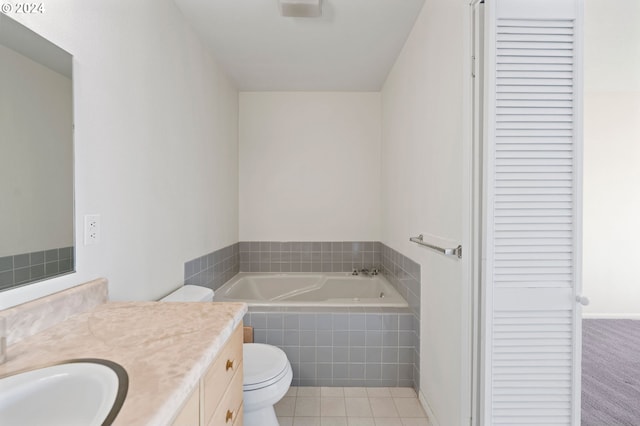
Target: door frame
<point>473,148</point>
<point>472,228</point>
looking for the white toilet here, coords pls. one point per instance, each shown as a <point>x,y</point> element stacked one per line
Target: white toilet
<point>267,377</point>
<point>267,371</point>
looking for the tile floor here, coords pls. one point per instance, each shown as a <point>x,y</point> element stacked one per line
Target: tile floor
<point>334,406</point>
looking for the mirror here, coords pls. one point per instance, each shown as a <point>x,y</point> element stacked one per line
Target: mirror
<point>36,157</point>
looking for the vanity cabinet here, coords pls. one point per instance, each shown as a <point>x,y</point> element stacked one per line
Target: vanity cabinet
<point>217,401</point>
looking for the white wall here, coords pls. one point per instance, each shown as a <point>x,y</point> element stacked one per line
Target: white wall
<point>156,144</point>
<point>422,167</point>
<point>612,157</point>
<point>36,160</point>
<point>309,166</point>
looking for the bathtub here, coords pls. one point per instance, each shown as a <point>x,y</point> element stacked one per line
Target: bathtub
<point>337,289</point>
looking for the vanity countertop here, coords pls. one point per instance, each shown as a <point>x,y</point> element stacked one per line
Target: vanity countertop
<point>164,347</point>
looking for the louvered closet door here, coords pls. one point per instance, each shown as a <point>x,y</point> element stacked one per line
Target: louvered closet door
<point>532,213</point>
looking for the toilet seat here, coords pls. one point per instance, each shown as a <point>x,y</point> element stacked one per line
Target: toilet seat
<point>264,365</point>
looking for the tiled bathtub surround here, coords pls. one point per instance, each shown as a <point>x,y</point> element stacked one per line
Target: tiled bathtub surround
<point>404,274</point>
<point>339,256</point>
<point>299,256</point>
<point>335,256</point>
<point>213,269</point>
<point>27,267</point>
<point>341,346</point>
<point>329,346</point>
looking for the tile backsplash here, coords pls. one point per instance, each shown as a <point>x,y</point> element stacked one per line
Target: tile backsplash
<point>213,269</point>
<point>306,256</point>
<point>27,267</point>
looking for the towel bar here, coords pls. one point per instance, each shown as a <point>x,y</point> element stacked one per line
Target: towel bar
<point>446,251</point>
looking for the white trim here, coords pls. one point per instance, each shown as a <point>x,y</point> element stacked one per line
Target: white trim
<point>467,296</point>
<point>578,119</point>
<point>433,421</point>
<point>475,198</point>
<point>486,289</point>
<point>611,316</point>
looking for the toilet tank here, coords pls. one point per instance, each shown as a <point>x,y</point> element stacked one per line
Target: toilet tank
<point>190,293</point>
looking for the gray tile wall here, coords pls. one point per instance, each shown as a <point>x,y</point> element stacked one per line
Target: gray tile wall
<point>336,346</point>
<point>404,274</point>
<point>213,269</point>
<point>28,267</point>
<point>341,346</point>
<point>339,361</point>
<point>306,256</point>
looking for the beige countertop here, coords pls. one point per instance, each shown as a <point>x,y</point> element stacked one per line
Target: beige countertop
<point>164,347</point>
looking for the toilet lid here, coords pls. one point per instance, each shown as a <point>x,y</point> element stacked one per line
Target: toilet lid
<point>262,364</point>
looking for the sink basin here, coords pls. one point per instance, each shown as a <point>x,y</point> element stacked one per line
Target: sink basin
<point>76,392</point>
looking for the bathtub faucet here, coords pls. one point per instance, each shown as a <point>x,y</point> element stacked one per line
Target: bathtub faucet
<point>365,272</point>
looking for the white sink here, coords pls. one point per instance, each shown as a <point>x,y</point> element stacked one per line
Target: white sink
<point>77,392</point>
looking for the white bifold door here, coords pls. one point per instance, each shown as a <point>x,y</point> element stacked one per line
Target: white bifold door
<point>532,213</point>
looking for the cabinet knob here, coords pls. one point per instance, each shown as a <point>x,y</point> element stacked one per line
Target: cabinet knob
<point>229,416</point>
<point>229,365</point>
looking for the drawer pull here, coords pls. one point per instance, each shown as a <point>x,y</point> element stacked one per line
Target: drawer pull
<point>229,416</point>
<point>229,365</point>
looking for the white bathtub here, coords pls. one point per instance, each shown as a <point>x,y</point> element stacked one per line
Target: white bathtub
<point>310,289</point>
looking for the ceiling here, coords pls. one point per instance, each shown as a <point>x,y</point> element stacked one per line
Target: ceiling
<point>352,47</point>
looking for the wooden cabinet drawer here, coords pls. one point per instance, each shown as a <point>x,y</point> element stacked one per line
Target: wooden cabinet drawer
<point>220,374</point>
<point>189,415</point>
<point>230,408</point>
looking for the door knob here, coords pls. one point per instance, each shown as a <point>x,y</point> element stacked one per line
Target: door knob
<point>584,301</point>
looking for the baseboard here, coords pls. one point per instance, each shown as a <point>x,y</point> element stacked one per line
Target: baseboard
<point>433,421</point>
<point>611,316</point>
